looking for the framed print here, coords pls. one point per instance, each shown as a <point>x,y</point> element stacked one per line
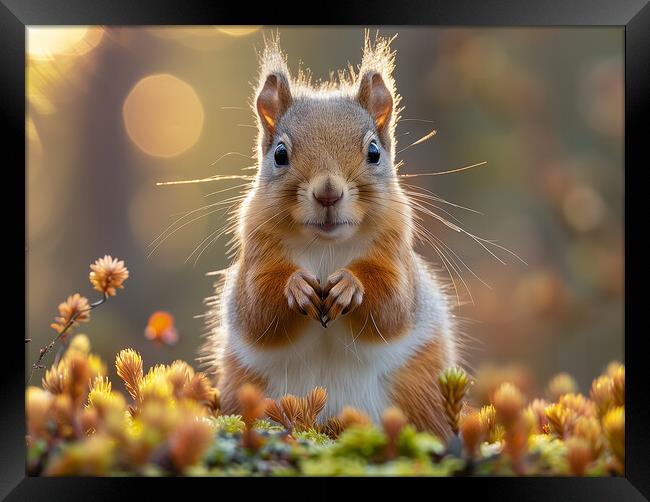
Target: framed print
<point>389,241</point>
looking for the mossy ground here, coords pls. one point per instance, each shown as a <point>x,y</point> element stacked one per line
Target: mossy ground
<point>171,425</point>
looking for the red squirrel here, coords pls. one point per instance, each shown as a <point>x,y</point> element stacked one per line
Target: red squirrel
<point>326,288</point>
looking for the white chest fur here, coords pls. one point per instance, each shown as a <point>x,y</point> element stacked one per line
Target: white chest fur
<point>354,373</point>
<point>323,260</point>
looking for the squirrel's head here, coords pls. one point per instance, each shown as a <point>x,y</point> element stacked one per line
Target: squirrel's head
<point>326,152</point>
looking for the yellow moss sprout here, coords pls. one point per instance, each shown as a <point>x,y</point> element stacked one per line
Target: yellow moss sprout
<point>129,368</point>
<point>454,384</point>
<point>614,429</point>
<point>602,394</point>
<point>492,431</point>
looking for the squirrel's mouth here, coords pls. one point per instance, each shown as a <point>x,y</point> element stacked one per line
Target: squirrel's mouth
<point>329,226</point>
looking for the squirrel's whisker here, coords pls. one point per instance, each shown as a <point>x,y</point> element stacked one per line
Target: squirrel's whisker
<point>181,218</point>
<point>379,332</point>
<point>403,119</point>
<point>426,237</point>
<point>440,173</point>
<point>438,198</point>
<point>181,226</point>
<point>227,154</point>
<point>424,138</point>
<point>210,178</point>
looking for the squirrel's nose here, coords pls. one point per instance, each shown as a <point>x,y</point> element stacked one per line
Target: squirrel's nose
<point>328,196</point>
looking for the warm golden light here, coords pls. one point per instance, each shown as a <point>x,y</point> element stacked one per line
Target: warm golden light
<point>52,41</point>
<point>54,65</point>
<point>240,31</point>
<point>163,115</point>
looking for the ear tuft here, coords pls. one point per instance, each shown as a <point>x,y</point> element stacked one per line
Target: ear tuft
<point>376,86</point>
<point>273,96</point>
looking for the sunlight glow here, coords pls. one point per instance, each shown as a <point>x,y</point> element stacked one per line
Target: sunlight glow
<point>52,41</point>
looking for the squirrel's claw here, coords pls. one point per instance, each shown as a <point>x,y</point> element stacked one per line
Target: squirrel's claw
<point>344,293</point>
<point>303,294</point>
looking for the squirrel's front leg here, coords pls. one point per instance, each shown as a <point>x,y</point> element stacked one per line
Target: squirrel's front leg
<point>276,298</point>
<point>374,292</point>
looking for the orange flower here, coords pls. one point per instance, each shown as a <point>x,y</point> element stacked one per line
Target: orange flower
<point>188,442</point>
<point>578,455</point>
<point>108,274</point>
<point>472,432</point>
<point>508,403</point>
<point>75,305</point>
<point>160,328</point>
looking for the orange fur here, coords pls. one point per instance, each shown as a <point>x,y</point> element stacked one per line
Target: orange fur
<point>415,389</point>
<point>261,305</point>
<point>233,377</point>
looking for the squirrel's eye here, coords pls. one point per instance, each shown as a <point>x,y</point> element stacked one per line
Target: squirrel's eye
<point>373,153</point>
<point>281,155</point>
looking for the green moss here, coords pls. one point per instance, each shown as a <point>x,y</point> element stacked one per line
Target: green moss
<point>333,466</point>
<point>365,442</point>
<point>411,443</point>
<point>230,424</point>
<point>549,453</point>
<point>313,436</point>
<point>417,467</point>
<point>266,425</point>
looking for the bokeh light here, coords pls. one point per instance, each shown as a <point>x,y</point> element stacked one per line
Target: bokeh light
<point>583,208</point>
<point>163,115</point>
<point>49,42</point>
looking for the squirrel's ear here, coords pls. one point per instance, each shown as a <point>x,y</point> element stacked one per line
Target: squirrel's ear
<point>272,102</point>
<point>375,97</point>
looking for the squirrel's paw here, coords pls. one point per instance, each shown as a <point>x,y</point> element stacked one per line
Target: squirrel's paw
<point>343,293</point>
<point>303,293</point>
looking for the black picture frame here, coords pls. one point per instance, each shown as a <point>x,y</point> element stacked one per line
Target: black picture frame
<point>631,15</point>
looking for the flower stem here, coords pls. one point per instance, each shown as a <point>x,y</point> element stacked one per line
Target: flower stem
<point>60,334</point>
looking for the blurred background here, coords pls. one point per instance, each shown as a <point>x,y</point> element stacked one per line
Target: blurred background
<point>112,111</point>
